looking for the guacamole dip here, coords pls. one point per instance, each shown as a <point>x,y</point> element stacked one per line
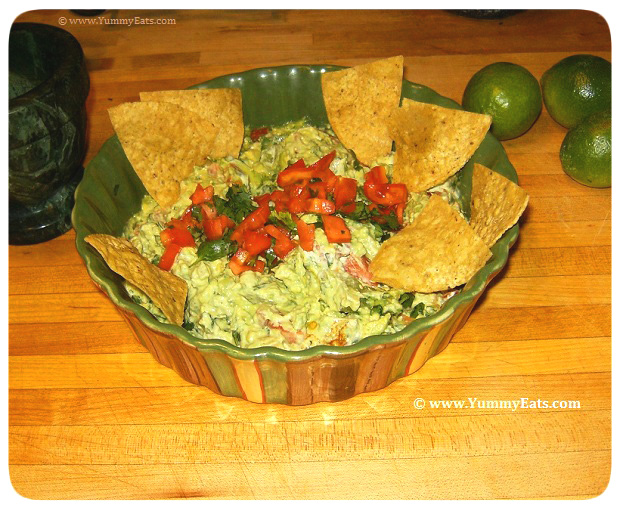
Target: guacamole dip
<point>324,295</point>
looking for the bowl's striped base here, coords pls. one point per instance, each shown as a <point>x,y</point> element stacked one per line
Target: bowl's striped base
<point>322,378</point>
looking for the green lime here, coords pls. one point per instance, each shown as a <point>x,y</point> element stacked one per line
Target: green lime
<point>507,92</point>
<point>586,151</point>
<point>576,87</point>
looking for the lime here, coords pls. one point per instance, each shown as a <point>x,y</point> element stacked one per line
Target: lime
<point>576,87</point>
<point>586,151</point>
<point>507,92</point>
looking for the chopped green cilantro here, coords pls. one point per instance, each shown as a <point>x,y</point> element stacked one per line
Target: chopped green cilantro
<point>283,219</point>
<point>216,249</point>
<point>418,310</point>
<point>236,337</point>
<point>237,205</point>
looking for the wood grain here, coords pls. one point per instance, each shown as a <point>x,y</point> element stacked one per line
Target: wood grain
<point>194,405</point>
<point>93,416</point>
<point>296,441</point>
<point>505,476</point>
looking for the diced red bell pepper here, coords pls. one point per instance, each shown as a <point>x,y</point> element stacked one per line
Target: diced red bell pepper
<point>295,174</point>
<point>386,194</point>
<point>238,268</point>
<point>238,263</point>
<point>253,221</point>
<point>169,256</point>
<point>296,198</point>
<point>318,189</point>
<point>241,255</point>
<point>297,191</point>
<point>330,179</point>
<point>256,242</point>
<point>178,236</point>
<point>263,199</point>
<point>335,229</point>
<point>306,234</point>
<point>208,211</point>
<point>283,243</point>
<point>276,232</point>
<point>257,218</point>
<point>186,221</point>
<point>238,260</point>
<point>213,228</point>
<point>296,205</point>
<point>283,247</point>
<point>227,223</point>
<point>298,173</point>
<point>257,133</point>
<point>397,193</point>
<point>320,206</point>
<point>372,192</point>
<point>279,199</point>
<point>299,164</point>
<point>201,194</point>
<point>347,208</point>
<point>322,164</point>
<point>376,175</point>
<point>278,196</point>
<point>345,191</point>
<point>321,170</point>
<point>280,207</point>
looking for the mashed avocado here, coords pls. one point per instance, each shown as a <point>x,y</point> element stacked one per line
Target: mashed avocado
<point>323,296</point>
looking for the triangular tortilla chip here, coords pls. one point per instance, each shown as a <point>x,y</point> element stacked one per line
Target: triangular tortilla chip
<point>359,100</point>
<point>436,252</point>
<point>496,203</point>
<point>167,291</point>
<point>163,142</point>
<point>221,107</point>
<point>433,143</point>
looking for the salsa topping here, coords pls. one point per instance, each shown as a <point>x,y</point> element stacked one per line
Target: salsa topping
<point>303,189</point>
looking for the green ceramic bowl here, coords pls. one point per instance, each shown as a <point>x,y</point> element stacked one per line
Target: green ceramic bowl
<point>110,193</point>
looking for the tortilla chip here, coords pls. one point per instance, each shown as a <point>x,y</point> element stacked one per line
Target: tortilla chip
<point>221,107</point>
<point>163,142</point>
<point>496,204</point>
<point>433,143</point>
<point>359,100</point>
<point>167,291</point>
<point>436,252</point>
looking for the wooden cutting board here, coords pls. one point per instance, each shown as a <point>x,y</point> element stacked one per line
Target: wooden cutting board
<point>93,416</point>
